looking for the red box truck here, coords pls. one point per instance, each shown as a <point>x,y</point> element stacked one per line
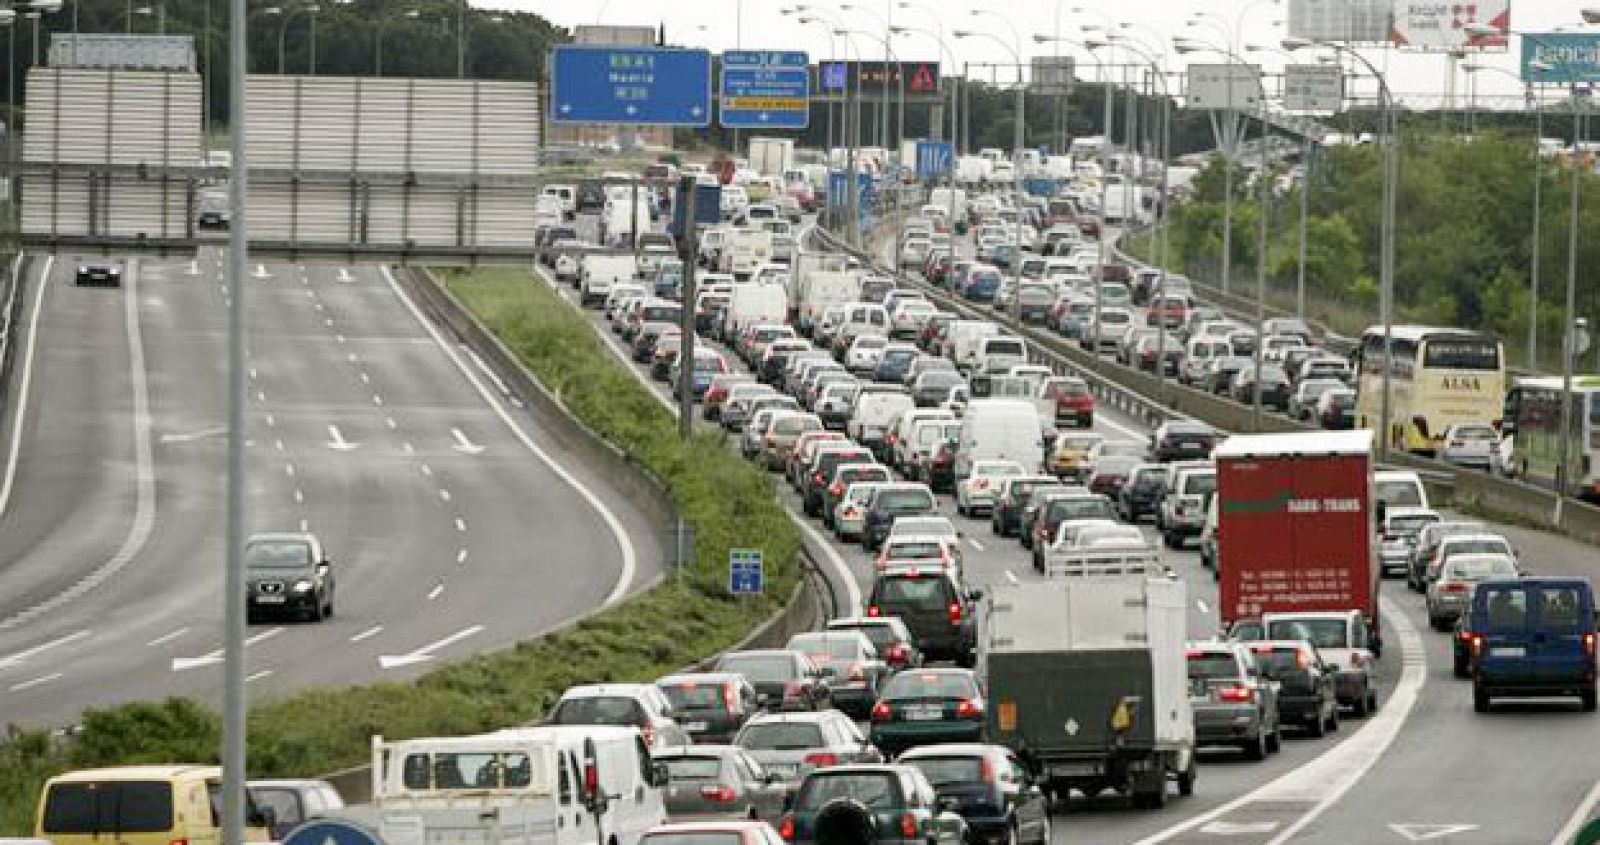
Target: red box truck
<point>1295,525</point>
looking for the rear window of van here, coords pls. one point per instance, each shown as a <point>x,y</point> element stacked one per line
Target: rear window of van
<point>109,808</point>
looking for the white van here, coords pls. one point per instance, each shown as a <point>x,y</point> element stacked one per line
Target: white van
<point>545,785</point>
<point>1000,430</point>
<point>752,305</point>
<point>567,195</point>
<point>618,219</point>
<point>1399,488</point>
<point>965,338</point>
<point>1000,354</point>
<point>1198,357</point>
<point>601,272</point>
<point>874,413</point>
<point>862,318</point>
<point>747,251</point>
<point>901,441</point>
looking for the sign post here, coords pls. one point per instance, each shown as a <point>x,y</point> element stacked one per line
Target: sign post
<point>658,86</point>
<point>745,577</point>
<point>765,90</point>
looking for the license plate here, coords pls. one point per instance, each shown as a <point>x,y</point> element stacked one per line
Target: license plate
<point>1189,447</point>
<point>924,714</point>
<point>694,726</point>
<point>269,599</point>
<point>783,769</point>
<point>1508,651</point>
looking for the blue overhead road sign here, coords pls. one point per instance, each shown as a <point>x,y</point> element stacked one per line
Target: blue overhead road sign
<point>1573,57</point>
<point>644,85</point>
<point>764,89</point>
<point>331,832</point>
<point>935,160</point>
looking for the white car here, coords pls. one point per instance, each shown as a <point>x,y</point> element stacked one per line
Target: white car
<point>862,357</point>
<point>1471,445</point>
<point>850,515</point>
<point>920,550</point>
<point>975,493</point>
<point>914,252</point>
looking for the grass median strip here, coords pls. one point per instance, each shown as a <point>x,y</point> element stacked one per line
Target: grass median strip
<point>728,503</point>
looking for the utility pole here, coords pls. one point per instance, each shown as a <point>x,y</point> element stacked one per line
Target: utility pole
<point>691,243</point>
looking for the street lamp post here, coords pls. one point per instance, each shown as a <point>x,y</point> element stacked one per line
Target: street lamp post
<point>1016,156</point>
<point>883,93</point>
<point>1163,256</point>
<point>833,56</point>
<point>288,14</point>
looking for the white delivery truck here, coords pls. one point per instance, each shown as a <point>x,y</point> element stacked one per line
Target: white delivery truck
<point>617,220</point>
<point>601,271</point>
<point>756,305</point>
<point>820,281</point>
<point>747,250</point>
<point>999,430</point>
<point>771,156</point>
<point>1087,681</point>
<point>953,199</point>
<point>566,785</point>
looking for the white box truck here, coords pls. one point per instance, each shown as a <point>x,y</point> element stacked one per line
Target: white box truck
<point>747,251</point>
<point>771,156</point>
<point>601,271</point>
<point>1088,682</point>
<point>756,305</point>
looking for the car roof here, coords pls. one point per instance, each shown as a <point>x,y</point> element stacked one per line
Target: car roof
<point>598,690</point>
<point>698,677</point>
<point>952,749</point>
<point>801,717</point>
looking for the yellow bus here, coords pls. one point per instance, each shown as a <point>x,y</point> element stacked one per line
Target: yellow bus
<point>1440,377</point>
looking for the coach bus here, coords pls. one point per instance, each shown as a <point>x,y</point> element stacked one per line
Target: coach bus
<point>1440,377</point>
<point>1532,422</point>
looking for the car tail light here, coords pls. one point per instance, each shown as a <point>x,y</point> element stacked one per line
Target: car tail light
<point>955,612</point>
<point>786,826</point>
<point>730,697</point>
<point>1237,695</point>
<point>981,483</point>
<point>822,761</point>
<point>816,477</point>
<point>856,673</point>
<point>908,826</point>
<point>791,690</point>
<point>179,842</point>
<point>1452,588</point>
<point>881,712</point>
<point>1588,645</point>
<point>649,734</point>
<point>591,780</point>
<point>872,610</point>
<point>836,490</point>
<point>850,511</point>
<point>897,653</point>
<point>1476,643</point>
<point>718,793</point>
<point>969,708</point>
<point>772,443</point>
<point>1357,660</point>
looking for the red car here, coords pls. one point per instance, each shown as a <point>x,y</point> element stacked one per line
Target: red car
<point>1073,400</point>
<point>1171,310</point>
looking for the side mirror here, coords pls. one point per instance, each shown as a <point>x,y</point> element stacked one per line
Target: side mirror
<point>325,565</point>
<point>975,595</point>
<point>659,776</point>
<point>264,817</point>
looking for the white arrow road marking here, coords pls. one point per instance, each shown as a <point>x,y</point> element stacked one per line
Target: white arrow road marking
<point>264,673</point>
<point>1424,832</point>
<point>191,436</point>
<point>194,268</point>
<point>26,685</point>
<point>463,445</point>
<point>336,440</point>
<point>1238,828</point>
<point>344,275</point>
<point>22,656</point>
<point>180,664</point>
<point>261,272</point>
<point>424,654</point>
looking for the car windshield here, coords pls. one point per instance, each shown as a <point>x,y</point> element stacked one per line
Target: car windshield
<point>1476,433</point>
<point>759,668</point>
<point>949,771</point>
<point>694,696</point>
<point>1479,568</point>
<point>929,685</point>
<point>904,501</point>
<point>1484,546</point>
<point>277,554</point>
<point>914,592</point>
<point>876,790</point>
<point>1322,633</point>
<point>1081,507</point>
<point>1212,665</point>
<point>693,768</point>
<point>1400,493</point>
<point>598,710</point>
<point>781,736</point>
<point>1410,526</point>
<point>1199,484</point>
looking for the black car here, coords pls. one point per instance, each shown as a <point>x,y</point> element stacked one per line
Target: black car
<point>99,275</point>
<point>710,706</point>
<point>814,483</point>
<point>213,218</point>
<point>991,788</point>
<point>934,606</point>
<point>869,804</point>
<point>1006,516</point>
<point>1141,493</point>
<point>928,707</point>
<point>287,574</point>
<point>890,502</point>
<point>893,364</point>
<point>1306,693</point>
<point>783,679</point>
<point>1183,440</point>
<point>1274,387</point>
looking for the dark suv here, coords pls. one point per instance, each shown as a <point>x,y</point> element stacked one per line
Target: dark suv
<point>287,574</point>
<point>933,604</point>
<point>869,804</point>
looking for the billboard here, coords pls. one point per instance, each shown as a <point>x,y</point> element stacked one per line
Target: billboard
<point>1348,21</point>
<point>1440,26</point>
<point>1051,75</point>
<point>1573,57</point>
<point>919,80</point>
<point>1227,86</point>
<point>122,52</point>
<point>1313,88</point>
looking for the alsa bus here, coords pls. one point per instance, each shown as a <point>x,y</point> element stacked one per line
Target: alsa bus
<point>1532,422</point>
<point>1440,377</point>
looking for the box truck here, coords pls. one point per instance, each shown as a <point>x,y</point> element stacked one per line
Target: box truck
<point>1088,683</point>
<point>771,156</point>
<point>1296,529</point>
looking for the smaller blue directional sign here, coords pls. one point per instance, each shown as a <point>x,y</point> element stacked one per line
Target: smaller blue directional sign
<point>658,86</point>
<point>331,832</point>
<point>744,572</point>
<point>766,89</point>
<point>935,160</point>
<point>707,207</point>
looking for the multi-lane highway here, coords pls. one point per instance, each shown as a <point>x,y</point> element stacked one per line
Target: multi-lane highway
<point>453,524</point>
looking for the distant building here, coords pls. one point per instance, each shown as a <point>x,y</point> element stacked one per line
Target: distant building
<point>570,134</point>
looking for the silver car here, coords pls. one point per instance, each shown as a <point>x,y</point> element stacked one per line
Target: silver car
<point>1470,445</point>
<point>790,745</point>
<point>1233,705</point>
<point>1401,526</point>
<point>1449,594</point>
<point>719,781</point>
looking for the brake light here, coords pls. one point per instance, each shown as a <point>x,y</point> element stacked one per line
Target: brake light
<point>179,842</point>
<point>955,612</point>
<point>1300,660</point>
<point>1357,660</point>
<point>872,610</point>
<point>856,673</point>
<point>969,708</point>
<point>821,761</point>
<point>836,489</point>
<point>649,733</point>
<point>896,653</point>
<point>791,690</point>
<point>730,698</point>
<point>1237,695</point>
<point>1588,645</point>
<point>591,780</point>
<point>786,826</point>
<point>881,712</point>
<point>816,477</point>
<point>1477,644</point>
<point>908,826</point>
<point>719,793</point>
<point>980,483</point>
<point>986,770</point>
<point>1453,588</point>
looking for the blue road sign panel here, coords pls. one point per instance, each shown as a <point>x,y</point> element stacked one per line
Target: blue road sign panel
<point>839,189</point>
<point>744,572</point>
<point>331,832</point>
<point>935,160</point>
<point>640,85</point>
<point>1572,58</point>
<point>707,207</point>
<point>764,89</point>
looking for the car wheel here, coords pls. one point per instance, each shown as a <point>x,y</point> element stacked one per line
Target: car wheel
<point>1372,701</point>
<point>1459,668</point>
<point>1317,728</point>
<point>1255,749</point>
<point>327,609</point>
<point>1044,825</point>
<point>1587,696</point>
<point>314,613</point>
<point>1275,740</point>
<point>1480,697</point>
<point>1333,718</point>
<point>1359,709</point>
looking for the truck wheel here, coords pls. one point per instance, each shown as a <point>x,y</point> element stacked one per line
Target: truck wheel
<point>1187,778</point>
<point>1359,709</point>
<point>1317,728</point>
<point>1333,719</point>
<point>1151,800</point>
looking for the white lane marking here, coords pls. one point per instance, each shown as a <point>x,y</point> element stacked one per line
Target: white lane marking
<point>328,321</point>
<point>438,590</point>
<point>191,436</point>
<point>299,496</point>
<point>1425,832</point>
<point>27,685</point>
<point>976,546</point>
<point>1579,818</point>
<point>461,525</point>
<point>261,396</point>
<point>350,357</point>
<point>261,272</point>
<point>27,382</point>
<point>252,373</point>
<point>630,558</point>
<point>344,275</point>
<point>264,673</point>
<point>1326,778</point>
<point>277,444</point>
<point>336,440</point>
<point>461,558</point>
<point>427,470</point>
<point>424,654</point>
<point>390,422</point>
<point>340,338</point>
<point>144,509</point>
<point>181,664</point>
<point>377,400</point>
<point>22,656</point>
<point>365,379</point>
<point>305,526</point>
<point>408,448</point>
<point>444,494</point>
<point>166,638</point>
<point>835,561</point>
<point>288,469</point>
<point>1102,418</point>
<point>463,445</point>
<point>272,421</point>
<point>1239,828</point>
<point>367,634</point>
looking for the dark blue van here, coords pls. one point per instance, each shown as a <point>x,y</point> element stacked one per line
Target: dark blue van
<point>1531,637</point>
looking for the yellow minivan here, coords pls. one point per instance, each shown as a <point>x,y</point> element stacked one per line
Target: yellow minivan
<point>139,805</point>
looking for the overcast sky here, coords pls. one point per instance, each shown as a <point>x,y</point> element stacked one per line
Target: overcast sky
<point>719,25</point>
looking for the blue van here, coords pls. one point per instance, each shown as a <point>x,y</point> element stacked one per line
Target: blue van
<point>1531,637</point>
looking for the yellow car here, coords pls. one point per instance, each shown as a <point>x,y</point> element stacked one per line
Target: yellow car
<point>1069,455</point>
